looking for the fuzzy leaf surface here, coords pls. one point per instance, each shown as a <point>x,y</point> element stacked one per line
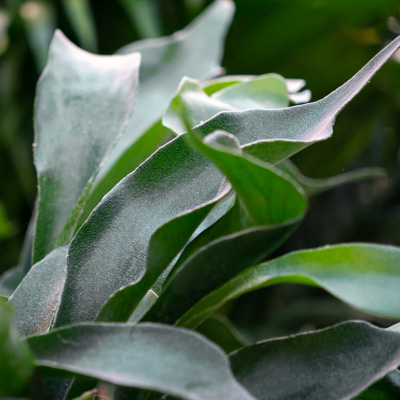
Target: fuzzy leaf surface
<point>149,356</point>
<point>268,207</point>
<point>195,51</point>
<point>83,104</point>
<point>166,242</point>
<point>37,297</point>
<point>173,181</point>
<point>333,363</point>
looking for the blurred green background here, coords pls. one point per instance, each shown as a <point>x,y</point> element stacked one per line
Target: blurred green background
<point>324,42</point>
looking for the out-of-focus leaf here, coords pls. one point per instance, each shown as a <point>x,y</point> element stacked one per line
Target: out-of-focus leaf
<point>16,364</point>
<point>334,363</point>
<point>150,356</point>
<point>221,331</point>
<point>25,258</point>
<point>4,23</point>
<point>366,276</point>
<point>37,297</point>
<point>145,17</point>
<point>38,17</point>
<point>315,186</point>
<point>388,388</point>
<point>268,207</point>
<point>77,93</point>
<point>81,19</point>
<point>82,386</point>
<point>195,51</point>
<point>7,229</point>
<point>10,279</point>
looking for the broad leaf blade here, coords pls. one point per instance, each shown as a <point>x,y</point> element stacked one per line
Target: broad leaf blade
<point>366,276</point>
<point>149,356</point>
<point>37,297</point>
<point>83,104</point>
<point>334,363</point>
<point>173,181</point>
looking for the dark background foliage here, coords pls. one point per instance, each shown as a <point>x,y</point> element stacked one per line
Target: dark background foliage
<point>323,42</point>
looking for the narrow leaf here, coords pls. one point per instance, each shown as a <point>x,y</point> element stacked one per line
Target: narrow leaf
<point>313,186</point>
<point>281,133</point>
<point>144,14</point>
<point>366,276</point>
<point>81,19</point>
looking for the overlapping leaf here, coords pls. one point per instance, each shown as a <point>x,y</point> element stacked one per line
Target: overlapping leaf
<point>149,356</point>
<point>283,132</point>
<point>366,276</point>
<point>176,182</point>
<point>170,238</point>
<point>37,297</point>
<point>334,363</point>
<point>196,51</point>
<point>83,104</point>
<point>110,250</point>
<point>222,332</point>
<point>10,280</point>
<point>388,388</point>
<point>267,209</point>
<point>191,102</point>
